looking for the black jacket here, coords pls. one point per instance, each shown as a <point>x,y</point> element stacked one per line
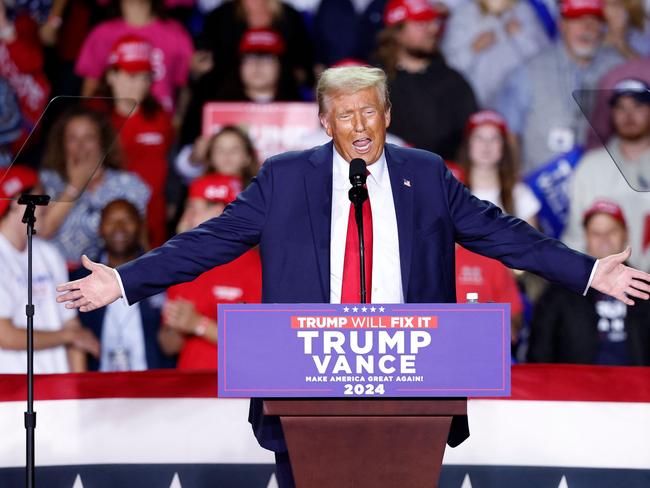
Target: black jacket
<point>430,108</point>
<point>565,329</point>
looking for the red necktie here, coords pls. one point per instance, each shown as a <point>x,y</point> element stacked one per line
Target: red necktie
<point>351,289</point>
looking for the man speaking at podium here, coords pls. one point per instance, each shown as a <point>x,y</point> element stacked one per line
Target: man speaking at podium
<point>297,210</point>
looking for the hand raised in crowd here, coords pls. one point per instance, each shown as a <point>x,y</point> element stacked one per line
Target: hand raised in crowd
<point>617,20</point>
<point>484,41</point>
<point>616,17</point>
<point>201,63</point>
<point>79,170</point>
<point>96,290</point>
<point>620,281</point>
<point>7,30</point>
<point>181,315</point>
<point>49,31</point>
<point>199,156</point>
<point>513,27</point>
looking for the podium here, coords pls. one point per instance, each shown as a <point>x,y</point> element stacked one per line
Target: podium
<point>366,443</point>
<point>365,395</point>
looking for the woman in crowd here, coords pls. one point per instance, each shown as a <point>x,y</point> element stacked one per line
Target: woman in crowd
<point>73,175</point>
<point>229,152</point>
<point>262,75</point>
<point>490,168</point>
<point>172,48</point>
<point>486,39</point>
<point>146,132</point>
<point>225,26</point>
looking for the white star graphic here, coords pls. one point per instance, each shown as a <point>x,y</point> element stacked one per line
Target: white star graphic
<point>273,482</point>
<point>467,483</point>
<point>563,483</point>
<point>176,482</point>
<point>346,309</point>
<point>381,309</point>
<point>77,482</point>
<point>372,309</point>
<point>364,309</point>
<point>355,309</point>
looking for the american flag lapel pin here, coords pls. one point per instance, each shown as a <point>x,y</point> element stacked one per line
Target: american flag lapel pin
<point>407,182</point>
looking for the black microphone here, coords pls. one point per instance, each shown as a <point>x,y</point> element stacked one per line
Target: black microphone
<point>358,193</point>
<point>358,172</point>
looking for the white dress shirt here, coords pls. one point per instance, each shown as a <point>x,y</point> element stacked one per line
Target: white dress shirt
<point>122,333</point>
<point>386,272</point>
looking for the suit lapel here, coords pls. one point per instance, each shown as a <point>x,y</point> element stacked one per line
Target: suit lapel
<point>401,182</point>
<point>318,188</point>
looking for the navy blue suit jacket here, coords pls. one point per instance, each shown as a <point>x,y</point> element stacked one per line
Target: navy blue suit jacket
<point>287,211</point>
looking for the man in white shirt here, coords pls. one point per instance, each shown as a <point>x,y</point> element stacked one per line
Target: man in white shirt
<point>60,342</point>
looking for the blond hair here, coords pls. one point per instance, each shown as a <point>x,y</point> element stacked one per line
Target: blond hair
<point>350,79</point>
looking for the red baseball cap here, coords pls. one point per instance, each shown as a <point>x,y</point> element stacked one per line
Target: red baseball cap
<point>131,53</point>
<point>402,10</point>
<point>484,117</point>
<point>265,41</point>
<point>577,8</point>
<point>13,182</point>
<point>348,62</point>
<point>605,207</point>
<point>216,188</point>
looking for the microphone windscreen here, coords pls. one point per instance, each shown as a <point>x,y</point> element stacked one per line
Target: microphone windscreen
<point>357,171</point>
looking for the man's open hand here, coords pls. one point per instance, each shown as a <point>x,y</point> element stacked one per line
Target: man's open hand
<point>619,281</point>
<point>97,290</point>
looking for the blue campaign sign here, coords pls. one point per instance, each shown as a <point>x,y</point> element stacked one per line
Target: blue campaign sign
<point>372,350</point>
<point>550,185</point>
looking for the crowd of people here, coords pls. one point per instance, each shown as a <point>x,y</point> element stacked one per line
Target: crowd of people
<point>508,92</point>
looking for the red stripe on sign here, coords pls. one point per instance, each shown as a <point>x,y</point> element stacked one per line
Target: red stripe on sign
<point>580,383</point>
<point>320,322</point>
<point>529,382</point>
<point>142,384</point>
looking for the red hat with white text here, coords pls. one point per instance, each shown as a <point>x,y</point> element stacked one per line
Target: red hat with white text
<point>216,188</point>
<point>484,117</point>
<point>577,8</point>
<point>402,10</point>
<point>131,53</point>
<point>264,41</point>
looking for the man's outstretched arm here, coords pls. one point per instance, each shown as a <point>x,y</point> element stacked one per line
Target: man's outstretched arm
<point>182,258</point>
<point>483,228</point>
<point>100,288</point>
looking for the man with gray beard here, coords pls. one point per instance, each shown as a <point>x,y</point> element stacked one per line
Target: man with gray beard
<point>537,98</point>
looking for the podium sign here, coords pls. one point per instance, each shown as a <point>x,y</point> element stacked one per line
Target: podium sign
<point>363,351</point>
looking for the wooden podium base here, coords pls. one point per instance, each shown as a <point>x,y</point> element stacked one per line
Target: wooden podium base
<point>367,442</point>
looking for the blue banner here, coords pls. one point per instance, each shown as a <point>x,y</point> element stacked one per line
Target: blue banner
<point>550,183</point>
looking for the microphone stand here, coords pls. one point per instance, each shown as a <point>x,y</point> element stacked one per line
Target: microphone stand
<point>358,195</point>
<point>30,202</point>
